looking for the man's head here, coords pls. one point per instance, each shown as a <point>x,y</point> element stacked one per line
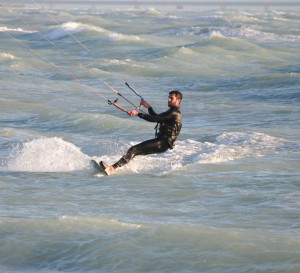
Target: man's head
<point>175,98</point>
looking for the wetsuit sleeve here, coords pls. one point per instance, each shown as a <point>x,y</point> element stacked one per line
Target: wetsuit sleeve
<point>151,112</point>
<point>163,117</point>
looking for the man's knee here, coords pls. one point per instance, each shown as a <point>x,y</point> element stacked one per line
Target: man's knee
<point>131,153</point>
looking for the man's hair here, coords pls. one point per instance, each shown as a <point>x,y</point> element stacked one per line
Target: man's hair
<point>177,94</point>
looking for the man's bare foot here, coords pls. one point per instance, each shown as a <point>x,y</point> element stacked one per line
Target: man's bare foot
<point>108,169</point>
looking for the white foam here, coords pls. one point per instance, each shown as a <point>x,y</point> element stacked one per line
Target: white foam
<point>126,62</point>
<point>225,148</point>
<point>72,28</point>
<point>48,155</point>
<point>56,155</point>
<point>114,36</point>
<point>102,223</point>
<point>9,29</point>
<point>252,34</point>
<point>155,12</point>
<point>65,29</point>
<point>186,51</point>
<point>216,34</point>
<point>6,57</point>
<point>228,147</point>
<point>236,145</point>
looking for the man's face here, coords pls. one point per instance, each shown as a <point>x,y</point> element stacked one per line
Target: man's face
<point>173,100</point>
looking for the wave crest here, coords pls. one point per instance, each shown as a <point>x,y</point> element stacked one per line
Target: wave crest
<point>57,155</point>
<point>47,155</point>
<point>20,30</point>
<point>72,28</point>
<point>6,57</point>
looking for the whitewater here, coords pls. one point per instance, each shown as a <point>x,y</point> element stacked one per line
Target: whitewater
<point>225,199</point>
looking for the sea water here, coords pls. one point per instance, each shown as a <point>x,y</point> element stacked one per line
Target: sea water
<point>225,199</point>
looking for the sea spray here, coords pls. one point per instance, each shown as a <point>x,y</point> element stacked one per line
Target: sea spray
<point>48,155</point>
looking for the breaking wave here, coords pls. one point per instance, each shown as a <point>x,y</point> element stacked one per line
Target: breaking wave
<point>6,57</point>
<point>17,29</point>
<point>57,155</point>
<point>47,155</point>
<point>72,28</point>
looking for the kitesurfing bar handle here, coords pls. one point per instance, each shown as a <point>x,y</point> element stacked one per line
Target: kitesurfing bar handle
<point>127,84</point>
<point>114,103</point>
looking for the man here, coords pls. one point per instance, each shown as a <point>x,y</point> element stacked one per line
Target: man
<point>167,129</point>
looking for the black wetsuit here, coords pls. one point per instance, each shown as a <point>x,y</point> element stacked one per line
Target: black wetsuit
<point>167,129</point>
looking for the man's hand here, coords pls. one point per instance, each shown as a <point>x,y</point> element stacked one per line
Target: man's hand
<point>145,104</point>
<point>133,112</point>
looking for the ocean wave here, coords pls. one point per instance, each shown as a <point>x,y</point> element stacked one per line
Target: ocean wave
<point>224,148</point>
<point>115,37</point>
<point>88,122</point>
<point>11,29</point>
<point>156,13</point>
<point>216,34</point>
<point>126,63</point>
<point>245,17</point>
<point>70,222</point>
<point>143,12</point>
<point>231,146</point>
<point>219,56</point>
<point>6,57</point>
<point>72,28</point>
<point>66,29</point>
<point>186,51</point>
<point>249,32</point>
<point>56,155</point>
<point>61,243</point>
<point>99,244</point>
<point>96,222</point>
<point>13,133</point>
<point>47,155</point>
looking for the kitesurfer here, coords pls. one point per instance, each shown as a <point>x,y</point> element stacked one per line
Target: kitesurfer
<point>167,129</point>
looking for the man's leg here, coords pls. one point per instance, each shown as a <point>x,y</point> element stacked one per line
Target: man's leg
<point>152,146</point>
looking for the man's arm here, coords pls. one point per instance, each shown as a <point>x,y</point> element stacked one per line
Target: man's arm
<point>167,116</point>
<point>147,105</point>
<point>154,117</point>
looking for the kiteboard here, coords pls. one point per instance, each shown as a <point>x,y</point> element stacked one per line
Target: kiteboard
<point>97,167</point>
